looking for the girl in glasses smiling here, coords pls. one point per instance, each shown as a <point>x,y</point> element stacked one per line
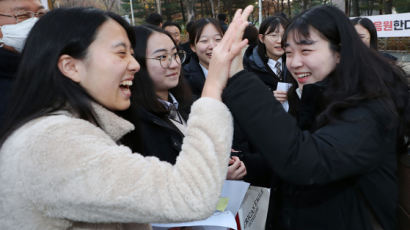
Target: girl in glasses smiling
<point>161,99</point>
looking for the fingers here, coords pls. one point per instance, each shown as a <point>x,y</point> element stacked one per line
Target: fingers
<point>236,29</point>
<point>231,161</point>
<point>237,170</point>
<point>237,47</point>
<point>280,95</point>
<point>246,12</point>
<point>240,172</point>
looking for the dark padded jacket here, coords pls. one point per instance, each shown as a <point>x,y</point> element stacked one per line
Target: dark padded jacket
<point>335,175</point>
<point>253,62</point>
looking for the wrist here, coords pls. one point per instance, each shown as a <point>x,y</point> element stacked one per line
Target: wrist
<point>212,91</point>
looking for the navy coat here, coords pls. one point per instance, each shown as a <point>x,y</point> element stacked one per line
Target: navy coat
<point>151,129</point>
<point>253,62</point>
<point>195,76</point>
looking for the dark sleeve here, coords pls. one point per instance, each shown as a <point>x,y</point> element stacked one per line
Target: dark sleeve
<point>339,149</point>
<point>258,171</point>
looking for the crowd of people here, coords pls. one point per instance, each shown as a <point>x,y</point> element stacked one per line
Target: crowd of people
<point>108,126</point>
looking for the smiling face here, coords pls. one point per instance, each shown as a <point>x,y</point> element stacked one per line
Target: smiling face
<point>209,38</point>
<point>272,41</point>
<point>164,79</point>
<point>107,71</point>
<point>175,33</point>
<point>363,34</point>
<point>309,59</point>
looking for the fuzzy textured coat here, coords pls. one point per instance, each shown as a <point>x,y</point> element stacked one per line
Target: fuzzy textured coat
<point>61,172</point>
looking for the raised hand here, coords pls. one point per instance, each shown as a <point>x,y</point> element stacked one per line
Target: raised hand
<point>224,53</point>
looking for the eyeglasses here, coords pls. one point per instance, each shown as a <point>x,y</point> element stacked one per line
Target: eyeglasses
<point>26,15</point>
<point>166,59</point>
<point>273,36</point>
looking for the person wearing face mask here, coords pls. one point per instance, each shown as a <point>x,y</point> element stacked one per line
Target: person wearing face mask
<point>17,17</point>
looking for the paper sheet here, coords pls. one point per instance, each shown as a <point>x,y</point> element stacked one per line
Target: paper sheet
<point>283,86</point>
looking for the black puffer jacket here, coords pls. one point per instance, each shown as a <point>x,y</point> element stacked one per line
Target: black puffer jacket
<point>151,130</point>
<point>333,174</point>
<point>253,62</point>
<point>195,76</point>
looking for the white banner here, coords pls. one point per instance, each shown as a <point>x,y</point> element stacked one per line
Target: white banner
<point>391,25</point>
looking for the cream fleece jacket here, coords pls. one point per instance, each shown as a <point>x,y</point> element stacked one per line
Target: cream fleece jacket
<point>61,172</point>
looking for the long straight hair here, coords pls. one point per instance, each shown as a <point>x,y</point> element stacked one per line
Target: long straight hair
<point>40,88</point>
<point>369,26</point>
<point>362,73</point>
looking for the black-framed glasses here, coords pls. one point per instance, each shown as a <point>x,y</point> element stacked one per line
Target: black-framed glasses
<point>166,59</point>
<point>26,15</point>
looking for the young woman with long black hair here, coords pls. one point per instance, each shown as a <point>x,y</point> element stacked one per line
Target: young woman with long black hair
<point>341,172</point>
<point>368,33</point>
<point>61,166</point>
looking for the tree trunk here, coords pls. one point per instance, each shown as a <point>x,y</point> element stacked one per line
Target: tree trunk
<point>167,11</point>
<point>212,8</point>
<point>355,8</point>
<point>111,5</point>
<point>371,7</point>
<point>282,5</point>
<point>158,4</point>
<point>347,8</point>
<point>231,11</point>
<point>289,10</point>
<point>219,7</point>
<point>190,9</point>
<point>305,4</point>
<point>202,8</point>
<point>181,3</point>
<point>388,5</point>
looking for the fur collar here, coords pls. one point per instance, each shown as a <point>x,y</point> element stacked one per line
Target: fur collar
<point>113,125</point>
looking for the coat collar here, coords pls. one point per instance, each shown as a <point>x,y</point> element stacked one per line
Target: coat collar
<point>254,60</point>
<point>149,117</point>
<point>113,125</point>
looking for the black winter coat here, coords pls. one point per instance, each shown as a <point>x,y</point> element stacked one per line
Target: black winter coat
<point>253,62</point>
<point>334,175</point>
<point>195,76</point>
<point>153,130</point>
<point>9,62</point>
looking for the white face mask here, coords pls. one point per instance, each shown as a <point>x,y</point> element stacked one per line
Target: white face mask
<point>14,35</point>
